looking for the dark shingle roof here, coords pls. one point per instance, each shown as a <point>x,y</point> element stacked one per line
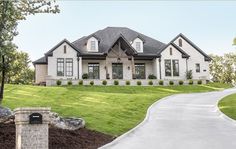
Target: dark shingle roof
<point>108,36</point>
<point>42,60</point>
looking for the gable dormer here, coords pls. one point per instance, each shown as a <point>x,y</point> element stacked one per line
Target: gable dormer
<point>137,44</point>
<point>92,44</point>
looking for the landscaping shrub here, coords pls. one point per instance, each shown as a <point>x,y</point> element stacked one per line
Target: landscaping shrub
<point>81,82</point>
<point>116,82</point>
<point>189,74</point>
<point>69,82</point>
<point>152,76</point>
<point>190,82</point>
<point>104,82</point>
<point>58,82</point>
<point>199,82</point>
<point>181,82</point>
<point>91,83</point>
<point>161,82</point>
<point>139,83</point>
<point>171,83</point>
<point>150,82</point>
<point>127,82</point>
<point>85,76</point>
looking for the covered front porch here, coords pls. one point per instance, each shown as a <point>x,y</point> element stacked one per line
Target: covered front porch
<point>120,62</point>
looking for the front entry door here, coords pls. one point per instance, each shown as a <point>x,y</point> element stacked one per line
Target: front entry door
<point>117,71</point>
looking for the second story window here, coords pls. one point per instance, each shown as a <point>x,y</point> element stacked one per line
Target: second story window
<point>64,49</point>
<point>171,51</point>
<point>93,46</point>
<point>138,46</point>
<point>180,43</point>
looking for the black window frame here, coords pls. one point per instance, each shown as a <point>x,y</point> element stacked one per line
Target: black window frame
<point>113,68</point>
<point>93,76</point>
<point>174,63</point>
<point>60,61</point>
<point>198,67</point>
<point>142,76</point>
<point>69,61</point>
<point>170,68</point>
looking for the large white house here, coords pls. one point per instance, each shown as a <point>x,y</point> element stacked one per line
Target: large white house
<point>122,53</point>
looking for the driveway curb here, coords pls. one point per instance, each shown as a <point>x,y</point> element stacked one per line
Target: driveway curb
<point>107,146</point>
<point>221,114</point>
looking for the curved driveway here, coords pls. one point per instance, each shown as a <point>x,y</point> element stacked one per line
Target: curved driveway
<point>184,121</point>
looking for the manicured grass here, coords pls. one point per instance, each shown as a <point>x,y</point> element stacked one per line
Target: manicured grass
<point>228,106</point>
<point>109,109</point>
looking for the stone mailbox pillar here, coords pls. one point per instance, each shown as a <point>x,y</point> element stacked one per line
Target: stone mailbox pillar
<point>32,128</point>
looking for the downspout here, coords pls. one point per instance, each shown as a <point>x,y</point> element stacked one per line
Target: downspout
<point>160,66</point>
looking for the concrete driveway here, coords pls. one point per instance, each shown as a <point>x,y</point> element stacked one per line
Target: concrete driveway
<point>184,121</point>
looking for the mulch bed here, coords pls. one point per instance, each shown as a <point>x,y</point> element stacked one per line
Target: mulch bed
<point>59,138</point>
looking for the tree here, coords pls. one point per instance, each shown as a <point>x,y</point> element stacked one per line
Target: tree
<point>223,68</point>
<point>19,71</point>
<point>11,12</point>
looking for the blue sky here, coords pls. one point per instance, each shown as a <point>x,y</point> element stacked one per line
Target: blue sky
<point>211,25</point>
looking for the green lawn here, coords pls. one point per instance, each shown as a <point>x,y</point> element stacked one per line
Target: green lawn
<point>109,109</point>
<point>228,106</point>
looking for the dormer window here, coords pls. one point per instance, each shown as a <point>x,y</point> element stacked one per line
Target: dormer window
<point>93,45</point>
<point>138,46</point>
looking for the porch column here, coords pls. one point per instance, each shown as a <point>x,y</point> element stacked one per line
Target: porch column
<point>80,67</point>
<point>106,68</point>
<point>133,67</point>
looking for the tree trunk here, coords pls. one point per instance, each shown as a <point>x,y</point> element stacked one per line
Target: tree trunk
<point>3,79</point>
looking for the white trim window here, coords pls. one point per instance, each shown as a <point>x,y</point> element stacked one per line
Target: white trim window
<point>69,67</point>
<point>93,45</point>
<point>138,46</point>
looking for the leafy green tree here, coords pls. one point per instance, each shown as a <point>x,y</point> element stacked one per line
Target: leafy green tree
<point>19,71</point>
<point>11,12</point>
<point>223,68</point>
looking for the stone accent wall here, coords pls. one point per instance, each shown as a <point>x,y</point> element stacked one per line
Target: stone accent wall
<point>31,136</point>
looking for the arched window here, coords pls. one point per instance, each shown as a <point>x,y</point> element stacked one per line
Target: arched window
<point>180,42</point>
<point>65,49</point>
<point>170,51</point>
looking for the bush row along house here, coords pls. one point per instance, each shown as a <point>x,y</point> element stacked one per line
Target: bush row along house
<point>122,53</point>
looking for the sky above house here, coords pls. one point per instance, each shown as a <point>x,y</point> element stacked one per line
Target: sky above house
<point>211,25</point>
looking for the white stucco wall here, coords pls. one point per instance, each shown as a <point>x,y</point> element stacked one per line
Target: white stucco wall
<point>59,53</point>
<point>89,44</point>
<point>41,71</point>
<point>141,45</point>
<point>195,57</point>
<point>176,55</point>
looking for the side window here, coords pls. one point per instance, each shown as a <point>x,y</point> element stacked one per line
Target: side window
<point>180,43</point>
<point>60,67</point>
<point>197,67</point>
<point>167,67</point>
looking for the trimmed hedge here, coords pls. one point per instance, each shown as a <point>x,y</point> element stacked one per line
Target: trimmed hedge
<point>104,82</point>
<point>58,82</point>
<point>139,83</point>
<point>127,82</point>
<point>116,82</point>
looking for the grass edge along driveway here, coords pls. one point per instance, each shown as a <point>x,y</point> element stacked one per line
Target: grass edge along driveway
<point>108,109</point>
<point>228,106</point>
